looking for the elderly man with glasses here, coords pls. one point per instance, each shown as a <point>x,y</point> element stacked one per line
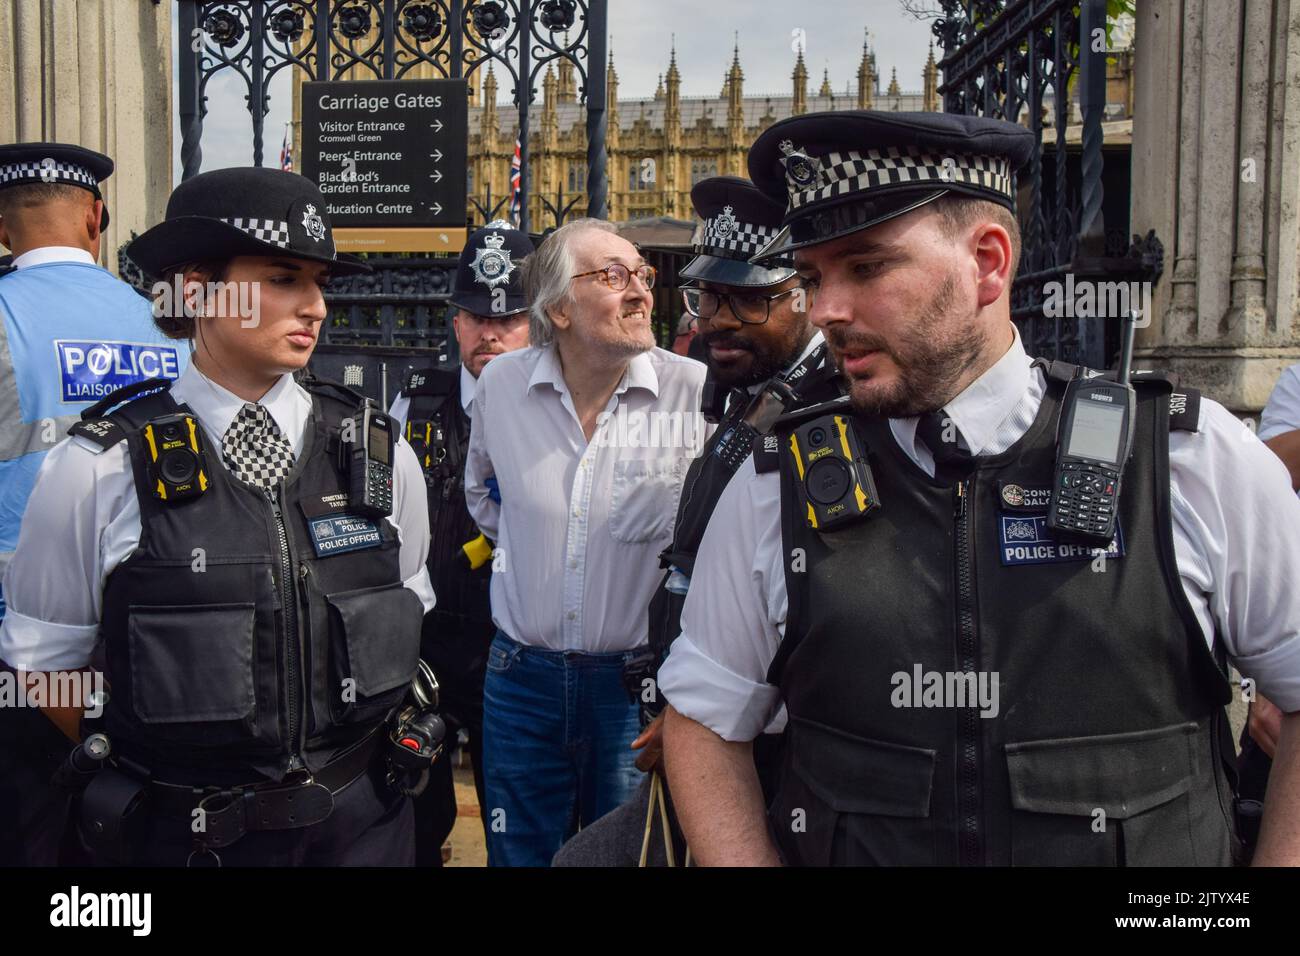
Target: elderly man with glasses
<point>578,448</point>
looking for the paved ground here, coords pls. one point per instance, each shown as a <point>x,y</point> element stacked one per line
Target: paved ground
<point>465,846</point>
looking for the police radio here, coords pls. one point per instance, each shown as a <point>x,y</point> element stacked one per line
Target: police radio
<point>177,469</point>
<point>368,459</point>
<point>1093,443</point>
<point>835,481</point>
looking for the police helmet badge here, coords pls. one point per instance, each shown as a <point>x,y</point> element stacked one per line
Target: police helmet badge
<point>799,166</point>
<point>313,223</point>
<point>492,265</point>
<point>1013,495</point>
<point>725,224</point>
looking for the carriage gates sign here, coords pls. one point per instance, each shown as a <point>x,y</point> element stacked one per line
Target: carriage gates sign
<point>389,158</point>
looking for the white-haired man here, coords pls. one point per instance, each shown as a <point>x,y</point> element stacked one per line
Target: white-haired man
<point>588,433</point>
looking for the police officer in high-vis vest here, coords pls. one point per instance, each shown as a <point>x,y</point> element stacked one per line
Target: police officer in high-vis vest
<point>248,549</point>
<point>960,686</point>
<point>69,333</point>
<point>491,318</point>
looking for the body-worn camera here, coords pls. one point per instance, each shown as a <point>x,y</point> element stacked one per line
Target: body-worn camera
<point>835,479</point>
<point>177,469</point>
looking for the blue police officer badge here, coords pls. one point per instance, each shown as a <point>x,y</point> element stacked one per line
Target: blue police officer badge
<point>799,166</point>
<point>313,223</point>
<point>492,265</point>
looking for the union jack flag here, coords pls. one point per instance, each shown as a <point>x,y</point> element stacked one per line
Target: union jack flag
<point>514,186</point>
<point>286,154</point>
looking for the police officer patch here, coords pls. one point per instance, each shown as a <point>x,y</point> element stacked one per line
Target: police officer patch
<point>89,370</point>
<point>492,265</point>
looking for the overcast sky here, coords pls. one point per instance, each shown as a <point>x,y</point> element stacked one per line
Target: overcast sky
<point>642,32</point>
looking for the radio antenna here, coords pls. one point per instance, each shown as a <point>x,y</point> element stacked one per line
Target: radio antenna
<point>1128,330</point>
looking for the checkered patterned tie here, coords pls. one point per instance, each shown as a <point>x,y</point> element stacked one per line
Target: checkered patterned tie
<point>254,450</point>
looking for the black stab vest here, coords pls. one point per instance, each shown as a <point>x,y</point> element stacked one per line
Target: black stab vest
<point>231,650</point>
<point>462,593</point>
<point>1106,744</point>
<point>706,479</point>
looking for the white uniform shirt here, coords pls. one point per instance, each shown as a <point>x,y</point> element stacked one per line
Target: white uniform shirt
<point>83,519</point>
<point>1282,413</point>
<point>1234,522</point>
<point>402,403</point>
<point>580,524</point>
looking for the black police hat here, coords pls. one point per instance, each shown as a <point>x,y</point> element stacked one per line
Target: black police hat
<point>22,164</point>
<point>246,211</point>
<point>738,222</point>
<point>847,170</point>
<point>490,261</point>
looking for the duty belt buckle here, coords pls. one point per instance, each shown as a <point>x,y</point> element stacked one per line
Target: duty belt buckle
<point>298,801</point>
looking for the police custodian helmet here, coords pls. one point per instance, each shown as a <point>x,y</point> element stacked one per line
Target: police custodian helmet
<point>738,222</point>
<point>489,263</point>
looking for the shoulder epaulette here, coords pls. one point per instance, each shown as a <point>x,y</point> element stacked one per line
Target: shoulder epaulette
<point>104,432</point>
<point>1185,410</point>
<point>430,381</point>
<point>837,406</point>
<point>333,389</point>
<point>767,453</point>
<point>124,394</point>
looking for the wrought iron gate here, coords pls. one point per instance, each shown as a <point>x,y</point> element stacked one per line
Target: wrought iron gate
<point>403,303</point>
<point>1001,59</point>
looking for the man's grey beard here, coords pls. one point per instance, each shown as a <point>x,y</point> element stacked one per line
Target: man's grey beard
<point>931,357</point>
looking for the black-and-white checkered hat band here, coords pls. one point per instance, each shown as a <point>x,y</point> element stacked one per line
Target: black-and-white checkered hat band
<point>273,231</point>
<point>47,171</point>
<point>730,238</point>
<point>847,173</point>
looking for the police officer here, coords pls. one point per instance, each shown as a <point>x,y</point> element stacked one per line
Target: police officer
<point>231,541</point>
<point>434,404</point>
<point>1089,727</point>
<point>69,333</point>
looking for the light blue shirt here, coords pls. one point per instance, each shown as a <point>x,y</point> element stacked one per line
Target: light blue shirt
<point>70,333</point>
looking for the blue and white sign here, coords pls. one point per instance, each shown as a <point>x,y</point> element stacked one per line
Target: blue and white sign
<point>89,370</point>
<point>1025,539</point>
<point>337,534</point>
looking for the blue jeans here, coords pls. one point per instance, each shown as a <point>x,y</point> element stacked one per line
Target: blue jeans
<point>557,726</point>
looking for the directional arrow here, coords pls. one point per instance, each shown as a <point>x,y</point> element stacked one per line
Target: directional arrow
<point>436,175</point>
<point>436,154</point>
<point>436,126</point>
<point>437,211</point>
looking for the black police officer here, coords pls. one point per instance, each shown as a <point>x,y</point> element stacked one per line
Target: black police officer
<point>491,318</point>
<point>259,611</point>
<point>960,686</point>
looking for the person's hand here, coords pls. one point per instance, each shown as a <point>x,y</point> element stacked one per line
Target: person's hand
<point>651,744</point>
<point>1264,721</point>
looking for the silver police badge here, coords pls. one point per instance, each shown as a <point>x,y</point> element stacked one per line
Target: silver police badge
<point>313,223</point>
<point>724,225</point>
<point>492,265</point>
<point>799,166</point>
<point>1013,495</point>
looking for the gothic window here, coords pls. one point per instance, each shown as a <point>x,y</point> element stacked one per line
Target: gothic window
<point>702,169</point>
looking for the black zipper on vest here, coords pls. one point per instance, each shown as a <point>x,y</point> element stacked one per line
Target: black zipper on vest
<point>292,646</point>
<point>968,815</point>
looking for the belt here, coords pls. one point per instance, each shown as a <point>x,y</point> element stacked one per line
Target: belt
<point>228,813</point>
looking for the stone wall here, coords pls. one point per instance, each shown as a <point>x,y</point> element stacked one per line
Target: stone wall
<point>1216,170</point>
<point>96,73</point>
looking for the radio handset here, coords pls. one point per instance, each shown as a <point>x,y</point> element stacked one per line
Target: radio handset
<point>368,460</point>
<point>1093,445</point>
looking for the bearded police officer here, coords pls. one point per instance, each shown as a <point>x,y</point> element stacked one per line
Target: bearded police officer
<point>69,333</point>
<point>1090,727</point>
<point>434,406</point>
<point>250,553</point>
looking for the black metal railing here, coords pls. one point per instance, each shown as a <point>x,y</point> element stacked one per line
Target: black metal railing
<point>1007,60</point>
<point>404,301</point>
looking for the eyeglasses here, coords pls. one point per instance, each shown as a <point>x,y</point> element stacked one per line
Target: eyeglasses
<point>617,276</point>
<point>751,308</point>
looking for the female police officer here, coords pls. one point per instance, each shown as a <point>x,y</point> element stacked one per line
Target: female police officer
<point>257,597</point>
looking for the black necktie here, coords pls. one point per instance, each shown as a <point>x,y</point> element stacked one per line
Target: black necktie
<point>952,456</point>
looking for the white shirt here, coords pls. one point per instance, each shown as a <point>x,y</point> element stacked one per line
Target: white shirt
<point>83,519</point>
<point>402,403</point>
<point>1282,413</point>
<point>580,524</point>
<point>45,254</point>
<point>1234,521</point>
